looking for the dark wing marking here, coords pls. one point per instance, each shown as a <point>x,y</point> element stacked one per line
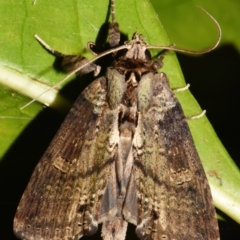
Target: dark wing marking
<point>173,196</point>
<point>63,197</point>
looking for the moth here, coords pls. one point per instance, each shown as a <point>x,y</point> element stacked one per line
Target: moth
<point>124,154</point>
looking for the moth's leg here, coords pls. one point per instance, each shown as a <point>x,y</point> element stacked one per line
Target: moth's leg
<point>91,46</point>
<point>181,89</point>
<point>113,32</point>
<point>191,117</point>
<point>158,62</point>
<point>71,62</point>
<point>197,116</point>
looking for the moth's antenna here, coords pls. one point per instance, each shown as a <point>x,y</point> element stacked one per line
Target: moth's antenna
<point>113,31</point>
<point>172,48</point>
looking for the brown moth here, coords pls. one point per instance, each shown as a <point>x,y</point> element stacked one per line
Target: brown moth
<point>124,154</point>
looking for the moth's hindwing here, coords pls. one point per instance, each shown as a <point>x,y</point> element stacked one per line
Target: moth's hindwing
<point>64,195</point>
<point>173,197</point>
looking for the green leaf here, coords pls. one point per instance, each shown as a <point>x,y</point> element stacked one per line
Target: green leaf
<point>67,26</point>
<point>190,28</point>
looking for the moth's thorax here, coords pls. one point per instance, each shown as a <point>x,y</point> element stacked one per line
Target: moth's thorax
<point>128,72</point>
<point>137,59</point>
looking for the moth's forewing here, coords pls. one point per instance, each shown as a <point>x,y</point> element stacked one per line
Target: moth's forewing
<point>111,163</point>
<point>64,195</point>
<point>174,198</point>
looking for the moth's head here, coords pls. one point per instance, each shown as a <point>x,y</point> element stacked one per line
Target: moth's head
<point>137,48</point>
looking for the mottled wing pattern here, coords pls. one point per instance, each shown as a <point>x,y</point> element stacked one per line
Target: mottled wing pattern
<point>63,198</point>
<point>173,197</point>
